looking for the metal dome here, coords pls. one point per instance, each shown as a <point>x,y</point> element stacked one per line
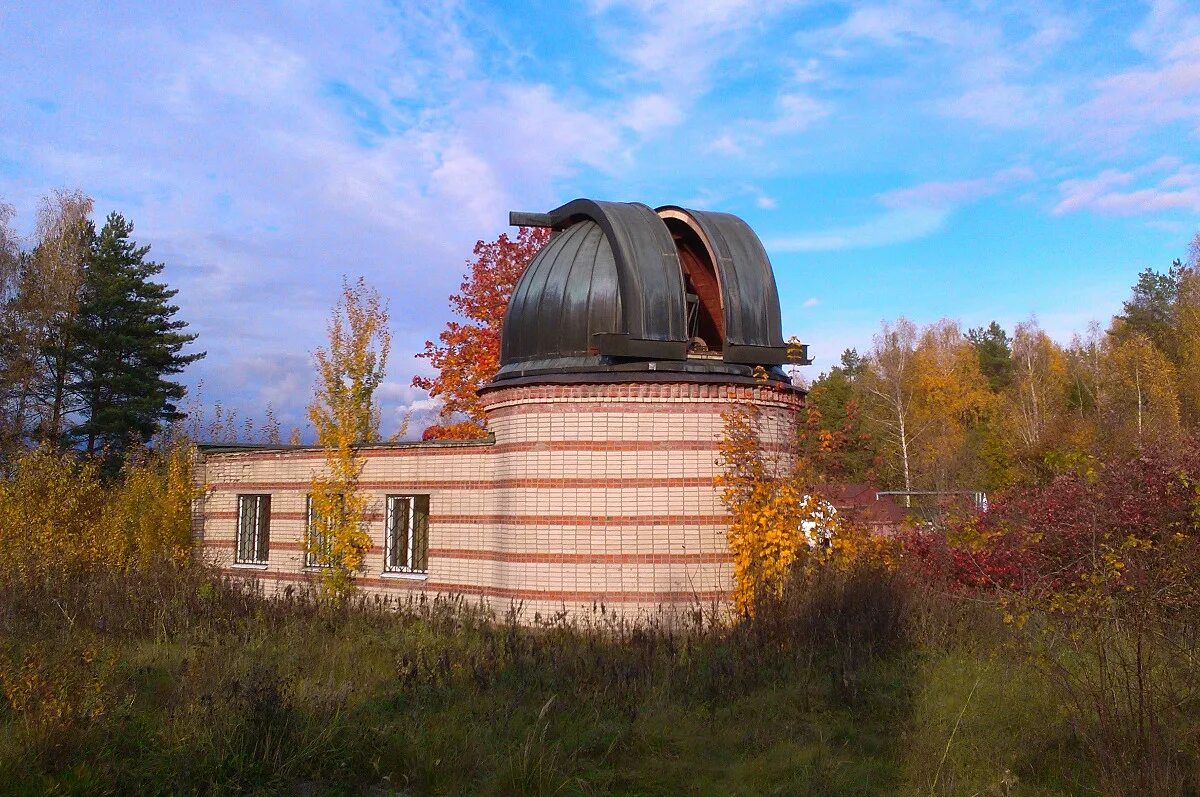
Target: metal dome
<point>622,288</point>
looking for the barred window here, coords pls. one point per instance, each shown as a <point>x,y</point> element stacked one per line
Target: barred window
<point>254,529</point>
<point>406,548</point>
<point>318,540</point>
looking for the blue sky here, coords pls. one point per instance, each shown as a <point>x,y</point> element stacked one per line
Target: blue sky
<point>977,160</point>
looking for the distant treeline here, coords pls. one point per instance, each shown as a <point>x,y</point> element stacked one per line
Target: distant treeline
<point>937,408</point>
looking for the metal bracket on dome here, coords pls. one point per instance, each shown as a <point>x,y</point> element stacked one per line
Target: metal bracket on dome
<point>618,344</point>
<point>521,218</point>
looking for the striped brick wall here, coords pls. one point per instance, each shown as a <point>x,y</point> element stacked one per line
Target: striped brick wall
<point>589,495</point>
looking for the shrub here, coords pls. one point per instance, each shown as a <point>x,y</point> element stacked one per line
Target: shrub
<point>1096,575</point>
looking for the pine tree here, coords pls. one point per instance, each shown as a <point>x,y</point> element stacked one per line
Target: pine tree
<point>1149,310</point>
<point>994,350</point>
<point>125,344</point>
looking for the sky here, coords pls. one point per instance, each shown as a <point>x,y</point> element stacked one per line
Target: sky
<point>976,160</point>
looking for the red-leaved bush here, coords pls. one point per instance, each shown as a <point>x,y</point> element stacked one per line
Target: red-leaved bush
<point>1098,573</point>
<point>1059,537</point>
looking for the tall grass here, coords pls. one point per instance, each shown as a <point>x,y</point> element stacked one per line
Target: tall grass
<point>148,673</point>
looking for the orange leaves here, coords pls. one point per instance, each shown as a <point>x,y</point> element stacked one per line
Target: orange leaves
<point>467,355</point>
<point>466,430</point>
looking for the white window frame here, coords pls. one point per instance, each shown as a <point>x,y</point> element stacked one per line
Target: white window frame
<point>260,527</point>
<point>389,542</point>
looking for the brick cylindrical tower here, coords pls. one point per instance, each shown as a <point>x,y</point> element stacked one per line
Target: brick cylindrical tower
<point>606,494</point>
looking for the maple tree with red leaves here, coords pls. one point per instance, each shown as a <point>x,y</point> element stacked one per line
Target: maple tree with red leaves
<point>467,354</point>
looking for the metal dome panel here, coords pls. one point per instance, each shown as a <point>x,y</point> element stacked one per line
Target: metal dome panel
<point>609,293</point>
<point>749,295</point>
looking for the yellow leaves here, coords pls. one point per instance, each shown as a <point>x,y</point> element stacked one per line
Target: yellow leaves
<point>777,527</point>
<point>343,409</point>
<point>59,520</point>
<point>51,692</point>
<point>1141,401</point>
<point>345,415</point>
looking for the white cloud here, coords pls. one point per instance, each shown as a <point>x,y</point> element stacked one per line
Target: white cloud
<point>797,112</point>
<point>1162,91</point>
<point>972,66</point>
<point>890,227</point>
<point>651,112</point>
<point>677,47</point>
<point>911,213</point>
<point>951,193</point>
<point>725,144</point>
<point>1003,105</point>
<point>1110,192</point>
<point>259,185</point>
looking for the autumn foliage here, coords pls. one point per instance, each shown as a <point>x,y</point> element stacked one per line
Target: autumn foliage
<point>345,415</point>
<point>62,520</point>
<point>780,528</point>
<point>467,354</point>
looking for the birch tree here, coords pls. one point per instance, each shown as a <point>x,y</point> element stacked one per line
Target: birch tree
<point>889,382</point>
<point>11,330</point>
<point>1187,325</point>
<point>953,399</point>
<point>344,413</point>
<point>39,291</point>
<point>1141,404</point>
<point>1038,386</point>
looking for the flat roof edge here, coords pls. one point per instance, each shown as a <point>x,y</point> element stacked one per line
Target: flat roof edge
<point>256,448</point>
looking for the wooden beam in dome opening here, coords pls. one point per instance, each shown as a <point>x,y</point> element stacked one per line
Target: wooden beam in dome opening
<point>520,218</point>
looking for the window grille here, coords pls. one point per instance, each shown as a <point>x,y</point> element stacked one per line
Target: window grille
<point>406,547</point>
<point>253,534</point>
<point>318,542</point>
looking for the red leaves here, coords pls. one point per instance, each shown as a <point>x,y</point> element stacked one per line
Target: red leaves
<point>467,355</point>
<point>1119,527</point>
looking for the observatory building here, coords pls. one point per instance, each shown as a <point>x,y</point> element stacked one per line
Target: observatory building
<point>628,335</point>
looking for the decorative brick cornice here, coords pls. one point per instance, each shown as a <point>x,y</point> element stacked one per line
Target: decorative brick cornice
<point>663,393</point>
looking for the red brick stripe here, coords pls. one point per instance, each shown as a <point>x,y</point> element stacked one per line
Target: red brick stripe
<point>547,520</point>
<point>277,515</point>
<point>416,485</point>
<point>581,558</point>
<point>498,592</point>
<point>583,520</point>
<point>277,546</point>
<point>533,557</point>
<point>639,408</point>
<point>647,390</point>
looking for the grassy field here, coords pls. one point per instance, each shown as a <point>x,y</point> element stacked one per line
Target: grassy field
<point>186,685</point>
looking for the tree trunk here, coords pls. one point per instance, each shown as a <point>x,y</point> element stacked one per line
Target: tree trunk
<point>1137,380</point>
<point>904,457</point>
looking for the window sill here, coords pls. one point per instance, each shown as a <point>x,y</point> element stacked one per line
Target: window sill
<point>402,576</point>
<point>250,565</point>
